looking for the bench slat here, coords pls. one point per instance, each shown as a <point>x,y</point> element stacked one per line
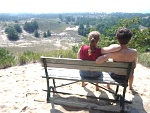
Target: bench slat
<point>120,68</point>
<point>67,74</point>
<point>84,62</point>
<point>120,71</point>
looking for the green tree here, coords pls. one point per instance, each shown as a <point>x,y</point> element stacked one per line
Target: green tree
<point>81,30</point>
<point>31,26</point>
<point>48,33</point>
<point>18,28</point>
<point>60,17</point>
<point>35,25</point>
<point>36,34</point>
<point>27,27</point>
<point>44,34</point>
<point>11,33</point>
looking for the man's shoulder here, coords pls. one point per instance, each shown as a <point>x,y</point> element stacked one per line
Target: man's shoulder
<point>133,50</point>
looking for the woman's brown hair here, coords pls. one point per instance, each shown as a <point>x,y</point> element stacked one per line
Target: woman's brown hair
<point>93,37</point>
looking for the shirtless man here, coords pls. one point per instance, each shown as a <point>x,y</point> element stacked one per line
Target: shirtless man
<point>125,54</point>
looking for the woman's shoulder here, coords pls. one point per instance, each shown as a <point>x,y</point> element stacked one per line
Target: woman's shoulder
<point>85,46</point>
<point>98,48</point>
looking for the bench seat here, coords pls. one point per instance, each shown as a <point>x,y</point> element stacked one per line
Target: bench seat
<point>74,75</point>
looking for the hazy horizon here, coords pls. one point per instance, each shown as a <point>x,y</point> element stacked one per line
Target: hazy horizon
<point>74,6</point>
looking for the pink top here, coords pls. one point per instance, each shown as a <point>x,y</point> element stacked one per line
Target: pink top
<point>85,56</point>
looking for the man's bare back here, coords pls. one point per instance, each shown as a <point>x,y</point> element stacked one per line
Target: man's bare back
<point>124,55</point>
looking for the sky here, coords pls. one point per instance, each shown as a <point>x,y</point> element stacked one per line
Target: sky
<point>71,6</point>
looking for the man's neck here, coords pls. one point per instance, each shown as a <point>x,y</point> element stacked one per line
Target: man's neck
<point>124,46</point>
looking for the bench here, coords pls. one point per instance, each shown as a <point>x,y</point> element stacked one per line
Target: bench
<point>57,68</point>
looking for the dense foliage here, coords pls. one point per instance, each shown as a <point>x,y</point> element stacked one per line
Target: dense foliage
<point>31,26</point>
<point>83,30</point>
<point>28,56</point>
<point>36,33</point>
<point>18,28</point>
<point>47,34</point>
<point>12,32</point>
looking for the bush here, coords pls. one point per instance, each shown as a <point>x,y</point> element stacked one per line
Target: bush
<point>6,59</point>
<point>12,33</point>
<point>144,59</point>
<point>29,56</point>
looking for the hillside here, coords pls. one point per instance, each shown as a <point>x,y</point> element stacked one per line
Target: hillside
<point>64,39</point>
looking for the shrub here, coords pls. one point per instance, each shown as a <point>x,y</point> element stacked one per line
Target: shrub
<point>144,59</point>
<point>29,56</point>
<point>12,34</point>
<point>6,59</point>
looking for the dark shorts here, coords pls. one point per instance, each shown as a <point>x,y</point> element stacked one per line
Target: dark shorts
<point>90,74</point>
<point>115,76</point>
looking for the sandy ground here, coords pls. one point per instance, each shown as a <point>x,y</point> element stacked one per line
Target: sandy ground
<point>21,92</point>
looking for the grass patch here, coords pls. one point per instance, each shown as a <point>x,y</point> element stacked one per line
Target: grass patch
<point>9,59</point>
<point>6,58</point>
<point>54,25</point>
<point>144,59</point>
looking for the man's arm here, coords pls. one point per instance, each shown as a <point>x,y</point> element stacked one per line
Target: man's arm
<point>103,58</point>
<point>111,48</point>
<point>136,59</point>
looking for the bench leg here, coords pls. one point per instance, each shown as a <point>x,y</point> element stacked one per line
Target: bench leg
<point>117,88</point>
<point>122,99</point>
<point>48,89</point>
<point>48,93</point>
<point>54,83</point>
<point>116,93</point>
<point>52,101</point>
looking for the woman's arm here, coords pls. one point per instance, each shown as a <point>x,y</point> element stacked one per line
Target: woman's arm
<point>78,54</point>
<point>111,48</point>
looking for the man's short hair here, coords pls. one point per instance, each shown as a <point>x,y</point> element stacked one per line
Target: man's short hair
<point>123,35</point>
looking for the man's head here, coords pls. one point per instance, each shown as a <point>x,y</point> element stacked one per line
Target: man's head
<point>123,35</point>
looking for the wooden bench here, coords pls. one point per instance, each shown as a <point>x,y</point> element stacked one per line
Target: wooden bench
<point>57,68</point>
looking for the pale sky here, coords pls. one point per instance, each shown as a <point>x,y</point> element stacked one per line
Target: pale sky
<point>69,6</point>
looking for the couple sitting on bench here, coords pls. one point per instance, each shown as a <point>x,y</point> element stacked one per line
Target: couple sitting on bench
<point>119,53</point>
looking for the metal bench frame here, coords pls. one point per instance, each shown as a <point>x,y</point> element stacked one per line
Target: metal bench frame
<point>121,68</point>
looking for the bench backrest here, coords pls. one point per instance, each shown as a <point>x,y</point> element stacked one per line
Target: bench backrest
<point>121,68</point>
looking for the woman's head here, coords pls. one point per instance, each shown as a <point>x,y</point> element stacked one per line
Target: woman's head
<point>93,37</point>
<point>123,35</point>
